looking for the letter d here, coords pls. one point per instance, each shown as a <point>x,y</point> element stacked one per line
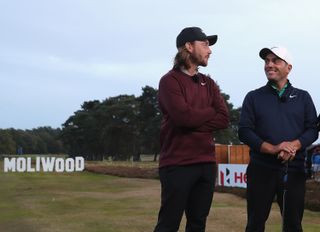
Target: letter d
<point>79,163</point>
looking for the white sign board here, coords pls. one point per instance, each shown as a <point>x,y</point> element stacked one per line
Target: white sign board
<point>46,164</point>
<point>232,175</point>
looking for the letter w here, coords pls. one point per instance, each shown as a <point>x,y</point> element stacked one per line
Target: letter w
<point>47,163</point>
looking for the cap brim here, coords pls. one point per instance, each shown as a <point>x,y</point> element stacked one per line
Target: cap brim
<point>264,52</point>
<point>212,39</point>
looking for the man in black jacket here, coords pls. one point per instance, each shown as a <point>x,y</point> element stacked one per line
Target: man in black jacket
<point>278,122</point>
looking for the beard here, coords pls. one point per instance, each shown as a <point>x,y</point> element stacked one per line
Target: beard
<point>198,61</point>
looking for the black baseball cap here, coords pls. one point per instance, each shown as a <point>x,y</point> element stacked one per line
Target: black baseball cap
<point>191,34</point>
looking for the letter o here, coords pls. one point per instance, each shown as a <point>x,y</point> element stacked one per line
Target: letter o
<point>69,165</point>
<point>59,165</point>
<point>21,164</point>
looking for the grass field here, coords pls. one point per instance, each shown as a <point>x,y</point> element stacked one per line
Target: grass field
<point>88,202</point>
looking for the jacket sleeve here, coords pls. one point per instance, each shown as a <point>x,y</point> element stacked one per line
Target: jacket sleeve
<point>221,119</point>
<point>310,133</point>
<point>246,129</point>
<point>173,103</point>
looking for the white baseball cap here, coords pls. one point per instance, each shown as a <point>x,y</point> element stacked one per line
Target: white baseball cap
<point>279,51</point>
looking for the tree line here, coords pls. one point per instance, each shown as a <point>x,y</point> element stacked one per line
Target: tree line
<point>117,128</point>
<point>126,126</point>
<point>42,140</point>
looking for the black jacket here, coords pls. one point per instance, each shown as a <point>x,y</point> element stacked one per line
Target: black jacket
<point>267,117</point>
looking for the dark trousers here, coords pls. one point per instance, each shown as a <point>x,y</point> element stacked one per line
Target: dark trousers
<point>263,184</point>
<point>186,189</point>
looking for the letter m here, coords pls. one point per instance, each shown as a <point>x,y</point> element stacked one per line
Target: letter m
<point>9,165</point>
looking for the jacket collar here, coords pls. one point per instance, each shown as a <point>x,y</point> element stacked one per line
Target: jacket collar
<point>274,89</point>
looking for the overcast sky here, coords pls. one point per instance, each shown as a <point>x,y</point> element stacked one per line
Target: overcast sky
<point>54,55</point>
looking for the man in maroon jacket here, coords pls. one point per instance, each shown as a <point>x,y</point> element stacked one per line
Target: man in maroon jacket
<point>192,109</point>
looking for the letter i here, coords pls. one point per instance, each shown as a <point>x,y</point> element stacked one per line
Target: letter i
<point>38,164</point>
